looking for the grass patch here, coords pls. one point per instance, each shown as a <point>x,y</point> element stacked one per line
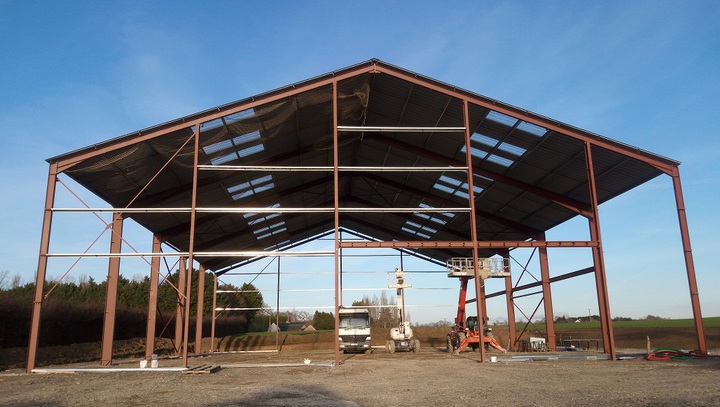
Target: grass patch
<point>712,322</point>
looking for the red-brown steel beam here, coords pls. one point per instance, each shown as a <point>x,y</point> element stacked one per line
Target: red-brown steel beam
<point>467,244</point>
<point>509,304</point>
<point>480,305</point>
<point>191,246</point>
<point>539,283</point>
<point>336,192</point>
<point>598,259</point>
<point>214,306</point>
<point>179,308</point>
<point>112,289</point>
<point>152,299</point>
<point>42,268</point>
<point>547,295</point>
<point>689,263</point>
<point>200,310</point>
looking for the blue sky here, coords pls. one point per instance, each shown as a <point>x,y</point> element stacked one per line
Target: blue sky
<point>640,72</point>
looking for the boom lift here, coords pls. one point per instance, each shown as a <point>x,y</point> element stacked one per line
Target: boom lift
<point>402,335</point>
<point>462,336</point>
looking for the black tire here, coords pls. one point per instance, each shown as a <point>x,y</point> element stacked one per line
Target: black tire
<point>449,345</point>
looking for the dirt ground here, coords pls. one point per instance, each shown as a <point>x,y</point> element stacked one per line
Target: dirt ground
<point>430,377</point>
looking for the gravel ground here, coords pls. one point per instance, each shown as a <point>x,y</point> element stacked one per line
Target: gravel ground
<point>430,377</point>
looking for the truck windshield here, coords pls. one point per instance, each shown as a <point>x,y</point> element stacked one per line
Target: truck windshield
<point>352,321</point>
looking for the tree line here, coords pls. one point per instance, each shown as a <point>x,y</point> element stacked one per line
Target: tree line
<point>73,311</point>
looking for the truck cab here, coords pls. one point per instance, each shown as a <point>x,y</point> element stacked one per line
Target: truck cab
<point>354,330</point>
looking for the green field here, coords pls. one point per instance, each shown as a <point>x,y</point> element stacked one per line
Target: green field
<point>712,322</point>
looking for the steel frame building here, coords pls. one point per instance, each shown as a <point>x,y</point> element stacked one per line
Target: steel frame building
<point>407,161</point>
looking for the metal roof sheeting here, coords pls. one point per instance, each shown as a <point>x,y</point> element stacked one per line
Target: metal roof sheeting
<point>521,161</point>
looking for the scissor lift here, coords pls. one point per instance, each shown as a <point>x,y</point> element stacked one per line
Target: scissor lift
<point>469,334</point>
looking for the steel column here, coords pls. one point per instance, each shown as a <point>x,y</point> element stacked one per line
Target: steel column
<point>112,287</point>
<point>191,245</point>
<point>152,299</point>
<point>42,267</point>
<point>277,308</point>
<point>336,193</point>
<point>689,263</point>
<point>547,295</point>
<point>598,260</point>
<point>214,306</point>
<point>180,305</point>
<point>480,304</point>
<point>509,301</point>
<point>199,314</point>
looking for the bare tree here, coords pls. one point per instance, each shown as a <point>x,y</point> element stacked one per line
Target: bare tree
<point>16,281</point>
<point>4,279</point>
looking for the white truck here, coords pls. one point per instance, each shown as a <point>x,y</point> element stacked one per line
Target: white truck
<point>354,330</point>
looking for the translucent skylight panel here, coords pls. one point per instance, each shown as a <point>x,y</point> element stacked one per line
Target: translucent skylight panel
<point>252,214</point>
<point>441,217</point>
<point>251,187</point>
<point>475,152</point>
<point>271,233</point>
<point>449,180</point>
<point>415,232</point>
<point>223,159</point>
<point>211,124</point>
<point>251,150</point>
<point>240,115</point>
<point>483,139</point>
<point>455,187</point>
<point>219,146</point>
<point>512,149</point>
<point>245,185</point>
<point>246,138</point>
<point>278,245</point>
<point>268,231</point>
<point>532,129</point>
<point>500,160</point>
<point>263,218</point>
<point>501,118</point>
<point>444,188</point>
